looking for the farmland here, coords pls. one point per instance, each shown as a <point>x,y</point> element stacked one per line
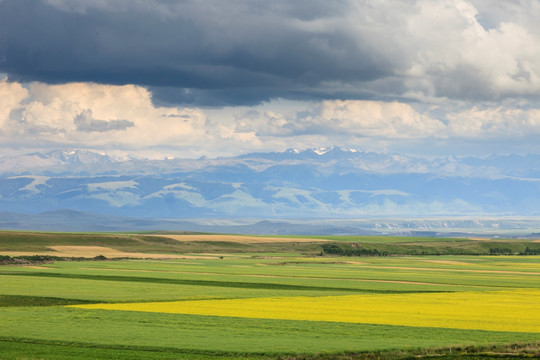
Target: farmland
<point>203,296</point>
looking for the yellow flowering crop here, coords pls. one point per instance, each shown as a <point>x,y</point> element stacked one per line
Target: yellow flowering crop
<point>517,310</point>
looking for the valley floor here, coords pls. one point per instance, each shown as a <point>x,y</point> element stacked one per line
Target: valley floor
<point>266,305</point>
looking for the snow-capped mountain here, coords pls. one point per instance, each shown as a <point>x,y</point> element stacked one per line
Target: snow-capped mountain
<point>37,162</point>
<point>326,183</point>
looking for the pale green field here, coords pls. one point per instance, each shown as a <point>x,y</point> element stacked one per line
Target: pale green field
<point>292,271</point>
<point>31,330</point>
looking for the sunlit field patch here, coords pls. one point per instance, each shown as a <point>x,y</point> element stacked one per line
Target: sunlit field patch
<point>515,311</point>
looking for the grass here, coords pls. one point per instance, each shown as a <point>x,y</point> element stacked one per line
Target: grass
<point>384,239</point>
<point>40,243</point>
<point>21,300</point>
<point>193,333</point>
<point>199,282</point>
<point>35,322</point>
<point>12,348</point>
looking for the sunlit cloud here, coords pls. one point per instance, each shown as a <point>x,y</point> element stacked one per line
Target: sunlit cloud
<point>113,117</point>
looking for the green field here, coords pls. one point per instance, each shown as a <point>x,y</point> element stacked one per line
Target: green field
<point>38,320</point>
<point>162,243</point>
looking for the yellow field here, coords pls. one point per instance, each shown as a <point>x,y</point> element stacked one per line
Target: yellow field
<point>516,311</point>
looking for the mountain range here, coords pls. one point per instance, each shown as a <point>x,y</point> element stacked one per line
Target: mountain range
<point>334,183</point>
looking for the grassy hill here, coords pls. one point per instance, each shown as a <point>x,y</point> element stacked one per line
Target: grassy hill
<point>141,245</point>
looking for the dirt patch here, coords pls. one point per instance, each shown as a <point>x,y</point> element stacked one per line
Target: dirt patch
<point>240,239</point>
<point>86,251</point>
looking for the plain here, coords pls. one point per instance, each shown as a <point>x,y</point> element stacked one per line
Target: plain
<point>40,317</point>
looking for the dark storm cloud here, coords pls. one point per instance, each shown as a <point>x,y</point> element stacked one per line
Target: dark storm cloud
<point>463,82</point>
<point>189,51</point>
<point>242,52</point>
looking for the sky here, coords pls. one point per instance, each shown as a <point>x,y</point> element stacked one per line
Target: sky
<point>190,78</point>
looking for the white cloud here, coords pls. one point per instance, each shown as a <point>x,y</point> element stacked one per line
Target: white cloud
<point>87,114</point>
<point>11,95</point>
<point>345,117</point>
<point>499,122</point>
<point>379,119</point>
<point>123,118</point>
<point>457,57</point>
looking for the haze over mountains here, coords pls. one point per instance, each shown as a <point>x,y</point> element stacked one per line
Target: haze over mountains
<point>458,78</point>
<point>332,183</point>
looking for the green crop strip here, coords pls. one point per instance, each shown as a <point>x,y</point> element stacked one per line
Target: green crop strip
<point>20,300</point>
<point>241,285</point>
<point>126,351</point>
<point>13,347</point>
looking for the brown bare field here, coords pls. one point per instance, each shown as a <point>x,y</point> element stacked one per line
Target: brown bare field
<point>92,251</point>
<point>240,239</point>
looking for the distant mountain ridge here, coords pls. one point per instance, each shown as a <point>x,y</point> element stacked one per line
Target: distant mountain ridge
<point>78,221</point>
<point>335,158</point>
<point>313,183</point>
<point>36,160</point>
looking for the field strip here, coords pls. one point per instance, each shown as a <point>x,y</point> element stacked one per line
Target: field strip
<point>514,311</point>
<point>93,251</point>
<point>452,270</point>
<point>229,284</point>
<point>283,276</point>
<point>449,262</point>
<point>125,351</point>
<point>240,239</point>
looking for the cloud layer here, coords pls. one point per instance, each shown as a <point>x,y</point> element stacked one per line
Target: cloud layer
<point>243,52</point>
<point>124,118</point>
<point>92,115</point>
